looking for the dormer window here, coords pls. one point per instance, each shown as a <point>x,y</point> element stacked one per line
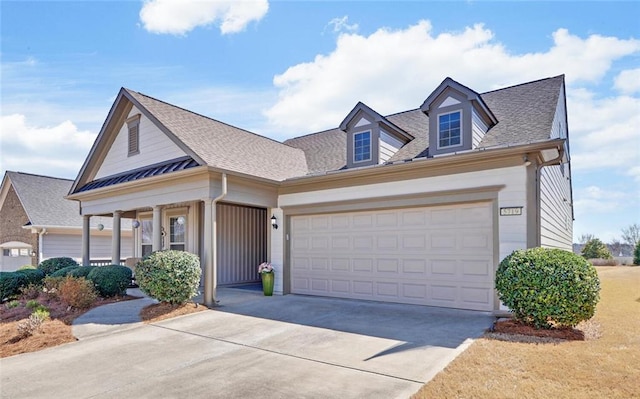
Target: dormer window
<point>362,146</point>
<point>449,132</point>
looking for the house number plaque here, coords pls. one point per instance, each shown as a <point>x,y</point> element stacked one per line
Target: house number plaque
<point>511,211</point>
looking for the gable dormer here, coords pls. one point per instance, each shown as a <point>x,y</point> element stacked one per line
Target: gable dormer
<point>371,138</point>
<point>458,118</point>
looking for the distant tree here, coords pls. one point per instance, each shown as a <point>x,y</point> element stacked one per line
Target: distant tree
<point>595,249</point>
<point>585,238</point>
<point>636,255</point>
<point>616,247</point>
<point>631,235</point>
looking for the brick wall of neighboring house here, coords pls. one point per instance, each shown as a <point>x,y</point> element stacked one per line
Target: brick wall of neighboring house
<point>12,218</point>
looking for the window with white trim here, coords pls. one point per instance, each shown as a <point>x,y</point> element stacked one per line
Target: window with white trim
<point>177,233</point>
<point>362,147</point>
<point>146,239</point>
<point>449,130</point>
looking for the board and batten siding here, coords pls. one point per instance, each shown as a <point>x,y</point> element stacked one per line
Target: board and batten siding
<point>387,146</point>
<point>556,216</point>
<point>154,146</point>
<point>70,245</point>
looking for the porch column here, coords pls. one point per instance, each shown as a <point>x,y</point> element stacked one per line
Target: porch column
<point>208,254</point>
<point>116,238</point>
<point>157,229</point>
<point>86,234</point>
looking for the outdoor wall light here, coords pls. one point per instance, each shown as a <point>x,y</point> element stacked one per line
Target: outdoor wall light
<point>274,222</point>
<point>181,220</point>
<point>33,254</point>
<point>100,226</point>
<point>135,224</point>
<point>526,161</point>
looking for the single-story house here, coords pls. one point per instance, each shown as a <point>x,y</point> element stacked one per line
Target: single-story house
<point>416,207</point>
<point>37,223</point>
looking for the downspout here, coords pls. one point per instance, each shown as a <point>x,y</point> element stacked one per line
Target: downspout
<point>41,233</point>
<point>211,278</point>
<point>556,160</point>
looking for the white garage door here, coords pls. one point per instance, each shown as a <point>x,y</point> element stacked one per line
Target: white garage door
<point>438,256</point>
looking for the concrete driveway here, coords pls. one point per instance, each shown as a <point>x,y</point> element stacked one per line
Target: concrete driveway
<point>255,347</point>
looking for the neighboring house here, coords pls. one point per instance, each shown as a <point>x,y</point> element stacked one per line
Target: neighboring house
<point>416,207</point>
<point>37,223</point>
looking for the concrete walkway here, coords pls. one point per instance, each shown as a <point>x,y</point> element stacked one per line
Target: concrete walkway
<point>111,318</point>
<point>251,346</point>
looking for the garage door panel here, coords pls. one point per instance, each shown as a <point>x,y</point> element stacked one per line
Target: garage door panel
<point>440,256</point>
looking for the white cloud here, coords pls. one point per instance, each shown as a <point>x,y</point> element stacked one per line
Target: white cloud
<point>52,150</point>
<point>395,70</point>
<point>628,82</point>
<point>341,24</point>
<point>604,132</point>
<point>181,16</point>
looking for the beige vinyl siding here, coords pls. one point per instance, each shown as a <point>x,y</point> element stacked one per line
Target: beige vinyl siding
<point>155,147</point>
<point>387,146</point>
<point>556,217</point>
<point>478,129</point>
<point>70,245</point>
<point>556,226</point>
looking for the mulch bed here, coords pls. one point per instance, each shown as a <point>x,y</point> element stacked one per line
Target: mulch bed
<point>514,327</point>
<point>163,310</point>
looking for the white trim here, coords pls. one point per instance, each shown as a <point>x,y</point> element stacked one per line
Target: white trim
<point>354,146</point>
<point>461,130</point>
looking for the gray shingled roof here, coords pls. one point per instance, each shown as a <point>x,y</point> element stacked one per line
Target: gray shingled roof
<point>42,198</point>
<point>225,146</point>
<point>524,112</point>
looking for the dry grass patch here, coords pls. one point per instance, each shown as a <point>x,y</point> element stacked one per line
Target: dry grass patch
<point>606,367</point>
<point>53,332</point>
<point>163,311</point>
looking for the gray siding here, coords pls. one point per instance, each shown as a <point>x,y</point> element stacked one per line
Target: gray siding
<point>70,245</point>
<point>478,129</point>
<point>556,211</point>
<point>242,242</point>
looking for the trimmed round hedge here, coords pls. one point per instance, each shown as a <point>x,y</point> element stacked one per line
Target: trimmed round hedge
<point>10,283</point>
<point>548,287</point>
<point>65,271</point>
<point>52,265</point>
<point>110,280</point>
<point>33,276</point>
<point>169,276</point>
<point>82,271</point>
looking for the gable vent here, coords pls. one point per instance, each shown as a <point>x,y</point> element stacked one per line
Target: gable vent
<point>133,125</point>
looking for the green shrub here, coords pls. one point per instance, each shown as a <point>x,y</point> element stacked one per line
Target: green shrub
<point>169,276</point>
<point>110,280</point>
<point>52,265</point>
<point>82,271</point>
<point>64,272</point>
<point>12,304</point>
<point>546,287</point>
<point>32,304</point>
<point>10,284</point>
<point>27,267</point>
<point>77,292</point>
<point>33,276</point>
<point>636,254</point>
<point>595,249</point>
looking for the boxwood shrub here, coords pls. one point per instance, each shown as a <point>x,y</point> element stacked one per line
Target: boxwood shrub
<point>10,283</point>
<point>110,280</point>
<point>52,265</point>
<point>548,287</point>
<point>169,276</point>
<point>82,271</point>
<point>65,271</point>
<point>33,276</point>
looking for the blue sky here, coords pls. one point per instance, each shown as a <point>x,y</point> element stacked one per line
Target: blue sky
<point>284,69</point>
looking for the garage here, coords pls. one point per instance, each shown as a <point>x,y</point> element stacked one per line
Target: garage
<point>436,255</point>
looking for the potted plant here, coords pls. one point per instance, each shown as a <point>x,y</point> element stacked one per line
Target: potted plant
<point>266,273</point>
